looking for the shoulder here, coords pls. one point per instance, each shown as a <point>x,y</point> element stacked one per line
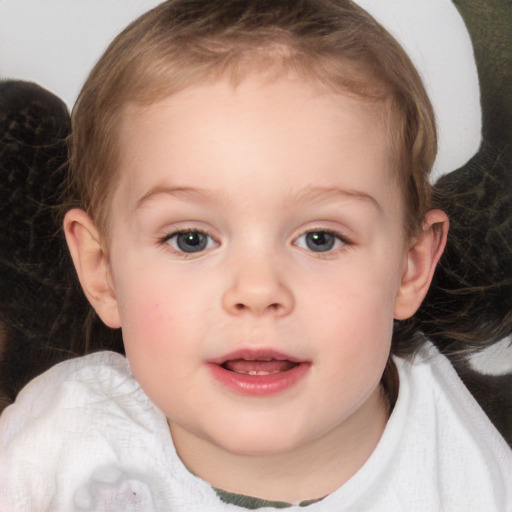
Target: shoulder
<point>80,416</point>
<point>457,443</point>
<point>94,393</point>
<point>91,370</point>
<point>431,380</point>
<point>72,383</point>
<point>67,395</point>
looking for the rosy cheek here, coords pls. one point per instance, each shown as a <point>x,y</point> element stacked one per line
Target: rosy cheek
<point>147,335</point>
<point>151,322</point>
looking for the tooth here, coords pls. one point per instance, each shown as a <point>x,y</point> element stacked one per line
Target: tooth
<point>255,372</point>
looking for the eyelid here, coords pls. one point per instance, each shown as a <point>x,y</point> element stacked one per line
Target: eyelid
<point>341,237</point>
<point>343,241</point>
<point>164,240</point>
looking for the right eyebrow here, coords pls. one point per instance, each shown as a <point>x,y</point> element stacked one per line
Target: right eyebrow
<point>179,192</point>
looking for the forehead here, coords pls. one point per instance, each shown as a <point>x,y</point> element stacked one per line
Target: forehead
<point>270,130</point>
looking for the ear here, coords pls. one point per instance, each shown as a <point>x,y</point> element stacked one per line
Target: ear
<point>92,265</point>
<point>421,261</point>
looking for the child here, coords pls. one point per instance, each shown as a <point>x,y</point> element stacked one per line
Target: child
<point>252,210</point>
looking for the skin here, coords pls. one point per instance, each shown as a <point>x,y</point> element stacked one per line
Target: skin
<point>256,168</point>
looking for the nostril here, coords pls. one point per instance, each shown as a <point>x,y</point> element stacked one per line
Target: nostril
<point>242,307</point>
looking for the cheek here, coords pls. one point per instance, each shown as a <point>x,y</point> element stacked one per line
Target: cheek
<point>139,303</point>
<point>146,324</point>
<point>353,313</point>
<point>364,291</point>
<point>162,313</point>
<point>155,340</point>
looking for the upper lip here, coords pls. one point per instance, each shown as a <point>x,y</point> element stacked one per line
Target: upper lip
<point>260,354</point>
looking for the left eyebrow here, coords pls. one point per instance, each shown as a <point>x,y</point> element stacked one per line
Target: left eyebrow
<point>317,194</point>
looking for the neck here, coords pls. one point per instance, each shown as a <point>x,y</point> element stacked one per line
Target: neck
<point>306,472</point>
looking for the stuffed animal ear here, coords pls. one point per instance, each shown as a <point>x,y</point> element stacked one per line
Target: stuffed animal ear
<point>92,265</point>
<point>42,310</point>
<point>424,253</point>
<point>470,303</point>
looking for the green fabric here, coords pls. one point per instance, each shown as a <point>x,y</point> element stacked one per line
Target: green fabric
<point>251,503</point>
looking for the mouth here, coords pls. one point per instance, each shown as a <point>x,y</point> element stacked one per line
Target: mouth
<point>258,372</point>
<point>258,366</point>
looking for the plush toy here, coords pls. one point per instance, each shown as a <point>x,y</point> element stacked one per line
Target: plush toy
<point>469,305</point>
<point>42,309</point>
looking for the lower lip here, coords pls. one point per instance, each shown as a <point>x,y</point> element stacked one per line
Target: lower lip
<point>259,385</point>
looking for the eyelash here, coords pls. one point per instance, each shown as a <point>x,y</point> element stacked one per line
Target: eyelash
<point>165,240</point>
<point>344,240</point>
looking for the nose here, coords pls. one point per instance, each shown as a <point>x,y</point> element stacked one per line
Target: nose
<point>257,287</point>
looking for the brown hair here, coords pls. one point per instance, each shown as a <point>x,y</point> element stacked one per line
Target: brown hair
<point>185,42</point>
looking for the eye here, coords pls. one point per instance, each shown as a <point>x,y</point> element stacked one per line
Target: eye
<point>320,241</point>
<point>190,241</point>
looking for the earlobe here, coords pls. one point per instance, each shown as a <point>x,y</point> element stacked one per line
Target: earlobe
<point>91,264</point>
<point>421,261</point>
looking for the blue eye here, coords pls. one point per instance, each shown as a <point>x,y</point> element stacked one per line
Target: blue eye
<point>319,241</point>
<point>190,241</point>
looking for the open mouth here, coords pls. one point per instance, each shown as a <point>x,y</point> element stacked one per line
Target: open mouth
<point>258,366</point>
<point>258,372</point>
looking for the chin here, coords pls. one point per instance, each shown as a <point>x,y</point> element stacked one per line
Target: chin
<point>260,441</point>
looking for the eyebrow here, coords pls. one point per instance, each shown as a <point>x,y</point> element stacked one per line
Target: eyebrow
<point>313,194</point>
<point>187,193</point>
<point>318,194</point>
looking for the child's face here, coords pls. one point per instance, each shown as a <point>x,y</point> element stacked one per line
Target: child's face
<point>258,223</point>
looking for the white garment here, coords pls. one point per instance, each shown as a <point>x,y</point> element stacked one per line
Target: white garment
<point>84,436</point>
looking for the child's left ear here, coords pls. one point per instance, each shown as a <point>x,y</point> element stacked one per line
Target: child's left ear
<point>421,261</point>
